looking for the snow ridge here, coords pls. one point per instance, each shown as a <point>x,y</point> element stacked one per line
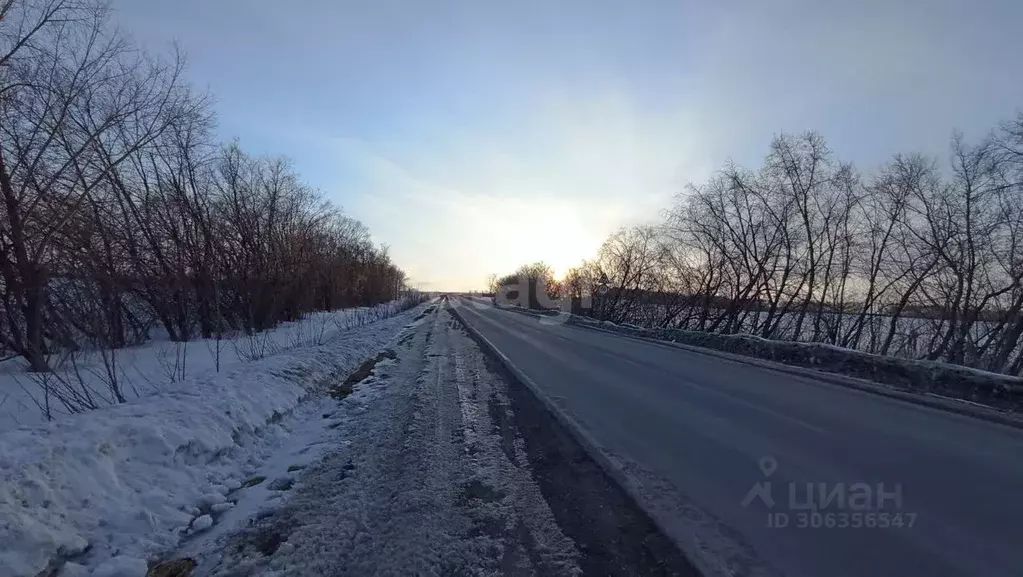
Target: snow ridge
<point>128,480</point>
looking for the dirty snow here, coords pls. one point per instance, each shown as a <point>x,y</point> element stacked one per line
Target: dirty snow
<point>421,480</point>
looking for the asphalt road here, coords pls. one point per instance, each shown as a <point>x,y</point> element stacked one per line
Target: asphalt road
<point>700,432</point>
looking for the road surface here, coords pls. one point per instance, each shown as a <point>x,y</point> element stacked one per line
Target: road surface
<point>723,451</point>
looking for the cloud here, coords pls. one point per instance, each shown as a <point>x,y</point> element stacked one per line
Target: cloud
<point>474,136</point>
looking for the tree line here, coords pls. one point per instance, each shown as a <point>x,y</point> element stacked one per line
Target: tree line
<point>122,211</point>
<point>918,258</point>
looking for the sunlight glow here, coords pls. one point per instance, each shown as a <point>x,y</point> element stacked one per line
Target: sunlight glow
<point>550,231</point>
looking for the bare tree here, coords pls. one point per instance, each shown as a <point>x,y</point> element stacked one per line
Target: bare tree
<point>121,210</point>
<point>88,92</point>
<point>912,260</point>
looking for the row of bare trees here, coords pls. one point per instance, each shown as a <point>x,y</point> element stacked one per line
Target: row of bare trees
<point>121,210</point>
<point>918,258</point>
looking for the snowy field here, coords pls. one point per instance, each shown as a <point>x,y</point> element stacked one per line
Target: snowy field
<point>106,489</point>
<point>94,379</point>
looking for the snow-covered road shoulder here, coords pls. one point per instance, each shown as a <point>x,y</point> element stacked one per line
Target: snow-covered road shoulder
<point>426,478</point>
<point>132,480</point>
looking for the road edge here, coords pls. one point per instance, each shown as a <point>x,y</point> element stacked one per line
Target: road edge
<point>590,445</point>
<point>937,402</point>
<point>930,400</point>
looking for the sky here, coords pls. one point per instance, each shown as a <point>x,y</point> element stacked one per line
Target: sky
<point>475,136</point>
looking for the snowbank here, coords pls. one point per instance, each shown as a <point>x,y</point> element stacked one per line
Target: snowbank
<point>147,369</point>
<point>956,381</point>
<point>127,480</point>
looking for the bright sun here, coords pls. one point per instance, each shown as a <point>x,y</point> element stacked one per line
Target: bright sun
<point>561,242</point>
